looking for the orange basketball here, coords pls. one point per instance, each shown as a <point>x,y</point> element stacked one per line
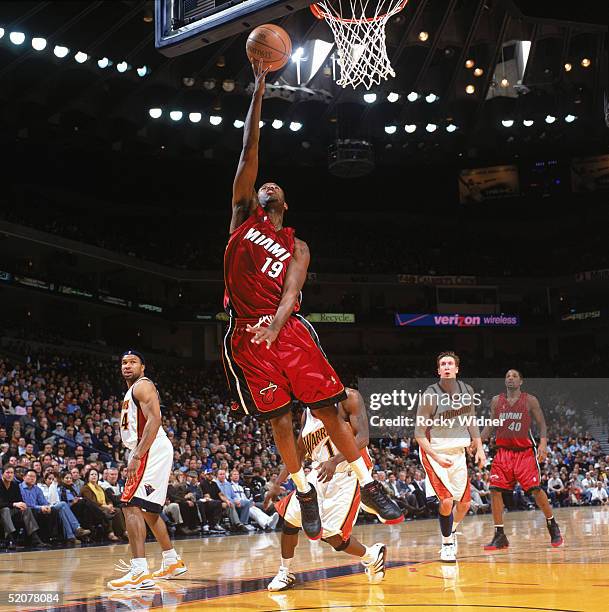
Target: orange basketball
<point>270,45</point>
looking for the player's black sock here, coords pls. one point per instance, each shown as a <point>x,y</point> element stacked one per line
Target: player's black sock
<point>446,524</point>
<point>499,529</point>
<point>550,522</point>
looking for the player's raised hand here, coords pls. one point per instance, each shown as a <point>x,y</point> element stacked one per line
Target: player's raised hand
<point>260,73</point>
<point>442,461</point>
<point>262,334</point>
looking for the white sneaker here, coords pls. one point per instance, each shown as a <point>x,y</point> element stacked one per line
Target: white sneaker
<point>134,579</point>
<point>447,553</point>
<point>282,581</point>
<point>375,569</point>
<point>170,569</point>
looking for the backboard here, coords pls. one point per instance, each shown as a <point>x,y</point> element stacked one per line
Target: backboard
<point>182,26</point>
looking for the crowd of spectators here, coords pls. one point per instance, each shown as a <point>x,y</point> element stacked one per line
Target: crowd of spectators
<point>64,466</point>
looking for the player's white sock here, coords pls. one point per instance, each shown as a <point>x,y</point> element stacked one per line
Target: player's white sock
<point>367,557</point>
<point>361,470</point>
<point>300,480</point>
<point>139,565</point>
<point>170,556</point>
<point>286,563</point>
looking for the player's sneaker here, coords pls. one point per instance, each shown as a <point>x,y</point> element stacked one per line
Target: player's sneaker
<point>499,541</point>
<point>448,553</point>
<point>375,569</point>
<point>133,580</point>
<point>170,569</point>
<point>309,513</point>
<point>282,581</point>
<point>555,535</point>
<point>376,501</point>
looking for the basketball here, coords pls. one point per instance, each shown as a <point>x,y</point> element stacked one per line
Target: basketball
<point>270,45</point>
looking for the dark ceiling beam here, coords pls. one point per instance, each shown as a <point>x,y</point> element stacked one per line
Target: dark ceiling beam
<point>53,37</point>
<point>448,94</point>
<point>477,113</point>
<point>33,11</point>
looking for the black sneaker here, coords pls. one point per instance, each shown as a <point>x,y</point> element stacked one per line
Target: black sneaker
<point>499,541</point>
<point>376,501</point>
<point>309,513</point>
<point>555,535</point>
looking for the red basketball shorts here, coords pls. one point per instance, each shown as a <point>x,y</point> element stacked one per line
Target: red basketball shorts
<point>264,380</point>
<point>511,466</point>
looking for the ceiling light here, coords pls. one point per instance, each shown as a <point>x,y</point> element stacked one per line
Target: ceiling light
<point>38,44</point>
<point>570,118</point>
<point>122,66</point>
<point>175,115</point>
<point>209,84</point>
<point>410,128</point>
<point>238,123</point>
<point>297,55</point>
<point>295,126</point>
<point>550,119</point>
<point>194,117</point>
<point>504,83</point>
<point>469,63</point>
<point>60,51</point>
<point>451,127</point>
<point>104,62</point>
<point>528,122</point>
<point>390,129</point>
<point>155,113</point>
<point>142,71</point>
<point>369,98</point>
<point>585,62</point>
<point>260,124</point>
<point>17,38</point>
<point>81,57</point>
<point>277,124</point>
<point>228,85</point>
<point>215,119</point>
<point>568,67</point>
<point>507,122</point>
<point>430,98</point>
<point>413,96</point>
<point>470,89</point>
<point>393,97</point>
<point>423,36</point>
<point>478,72</point>
<point>431,127</point>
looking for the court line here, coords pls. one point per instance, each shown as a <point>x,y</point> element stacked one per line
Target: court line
<point>419,605</point>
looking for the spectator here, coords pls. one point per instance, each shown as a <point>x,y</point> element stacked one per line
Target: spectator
<point>178,493</point>
<point>599,495</point>
<point>14,510</point>
<point>227,495</point>
<point>556,489</point>
<point>115,520</point>
<point>211,493</point>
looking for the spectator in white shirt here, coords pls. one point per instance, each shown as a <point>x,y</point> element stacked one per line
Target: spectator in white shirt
<point>599,496</point>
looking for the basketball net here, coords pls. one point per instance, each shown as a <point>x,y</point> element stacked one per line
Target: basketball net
<point>360,39</point>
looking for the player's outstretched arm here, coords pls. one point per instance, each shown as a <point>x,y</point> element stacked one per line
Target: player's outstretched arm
<point>146,394</point>
<point>358,419</point>
<point>294,280</point>
<point>244,196</point>
<point>537,413</point>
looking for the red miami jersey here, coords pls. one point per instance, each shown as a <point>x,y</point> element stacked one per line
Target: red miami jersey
<point>255,264</point>
<point>515,432</point>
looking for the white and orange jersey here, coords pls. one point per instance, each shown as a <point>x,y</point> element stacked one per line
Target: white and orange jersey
<point>319,446</point>
<point>133,419</point>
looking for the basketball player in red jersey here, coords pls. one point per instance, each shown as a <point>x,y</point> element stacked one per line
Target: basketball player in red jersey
<point>271,353</point>
<point>516,459</point>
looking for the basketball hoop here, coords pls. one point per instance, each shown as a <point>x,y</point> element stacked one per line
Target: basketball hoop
<point>359,32</point>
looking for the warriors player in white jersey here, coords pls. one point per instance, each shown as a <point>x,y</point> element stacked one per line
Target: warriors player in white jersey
<point>442,447</point>
<point>150,463</point>
<point>338,493</point>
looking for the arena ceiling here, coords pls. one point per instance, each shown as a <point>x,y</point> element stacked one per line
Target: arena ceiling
<point>552,63</point>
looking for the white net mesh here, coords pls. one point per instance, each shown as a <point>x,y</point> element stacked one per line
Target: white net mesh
<point>359,31</point>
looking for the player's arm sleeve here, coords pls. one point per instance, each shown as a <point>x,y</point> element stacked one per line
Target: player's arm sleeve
<point>146,394</point>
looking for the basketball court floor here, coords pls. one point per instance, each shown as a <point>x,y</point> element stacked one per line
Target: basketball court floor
<point>231,573</point>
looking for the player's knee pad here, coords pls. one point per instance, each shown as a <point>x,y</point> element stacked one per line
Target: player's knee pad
<point>290,529</point>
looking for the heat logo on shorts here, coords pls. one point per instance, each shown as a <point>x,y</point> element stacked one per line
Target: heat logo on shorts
<point>149,490</point>
<point>268,393</point>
